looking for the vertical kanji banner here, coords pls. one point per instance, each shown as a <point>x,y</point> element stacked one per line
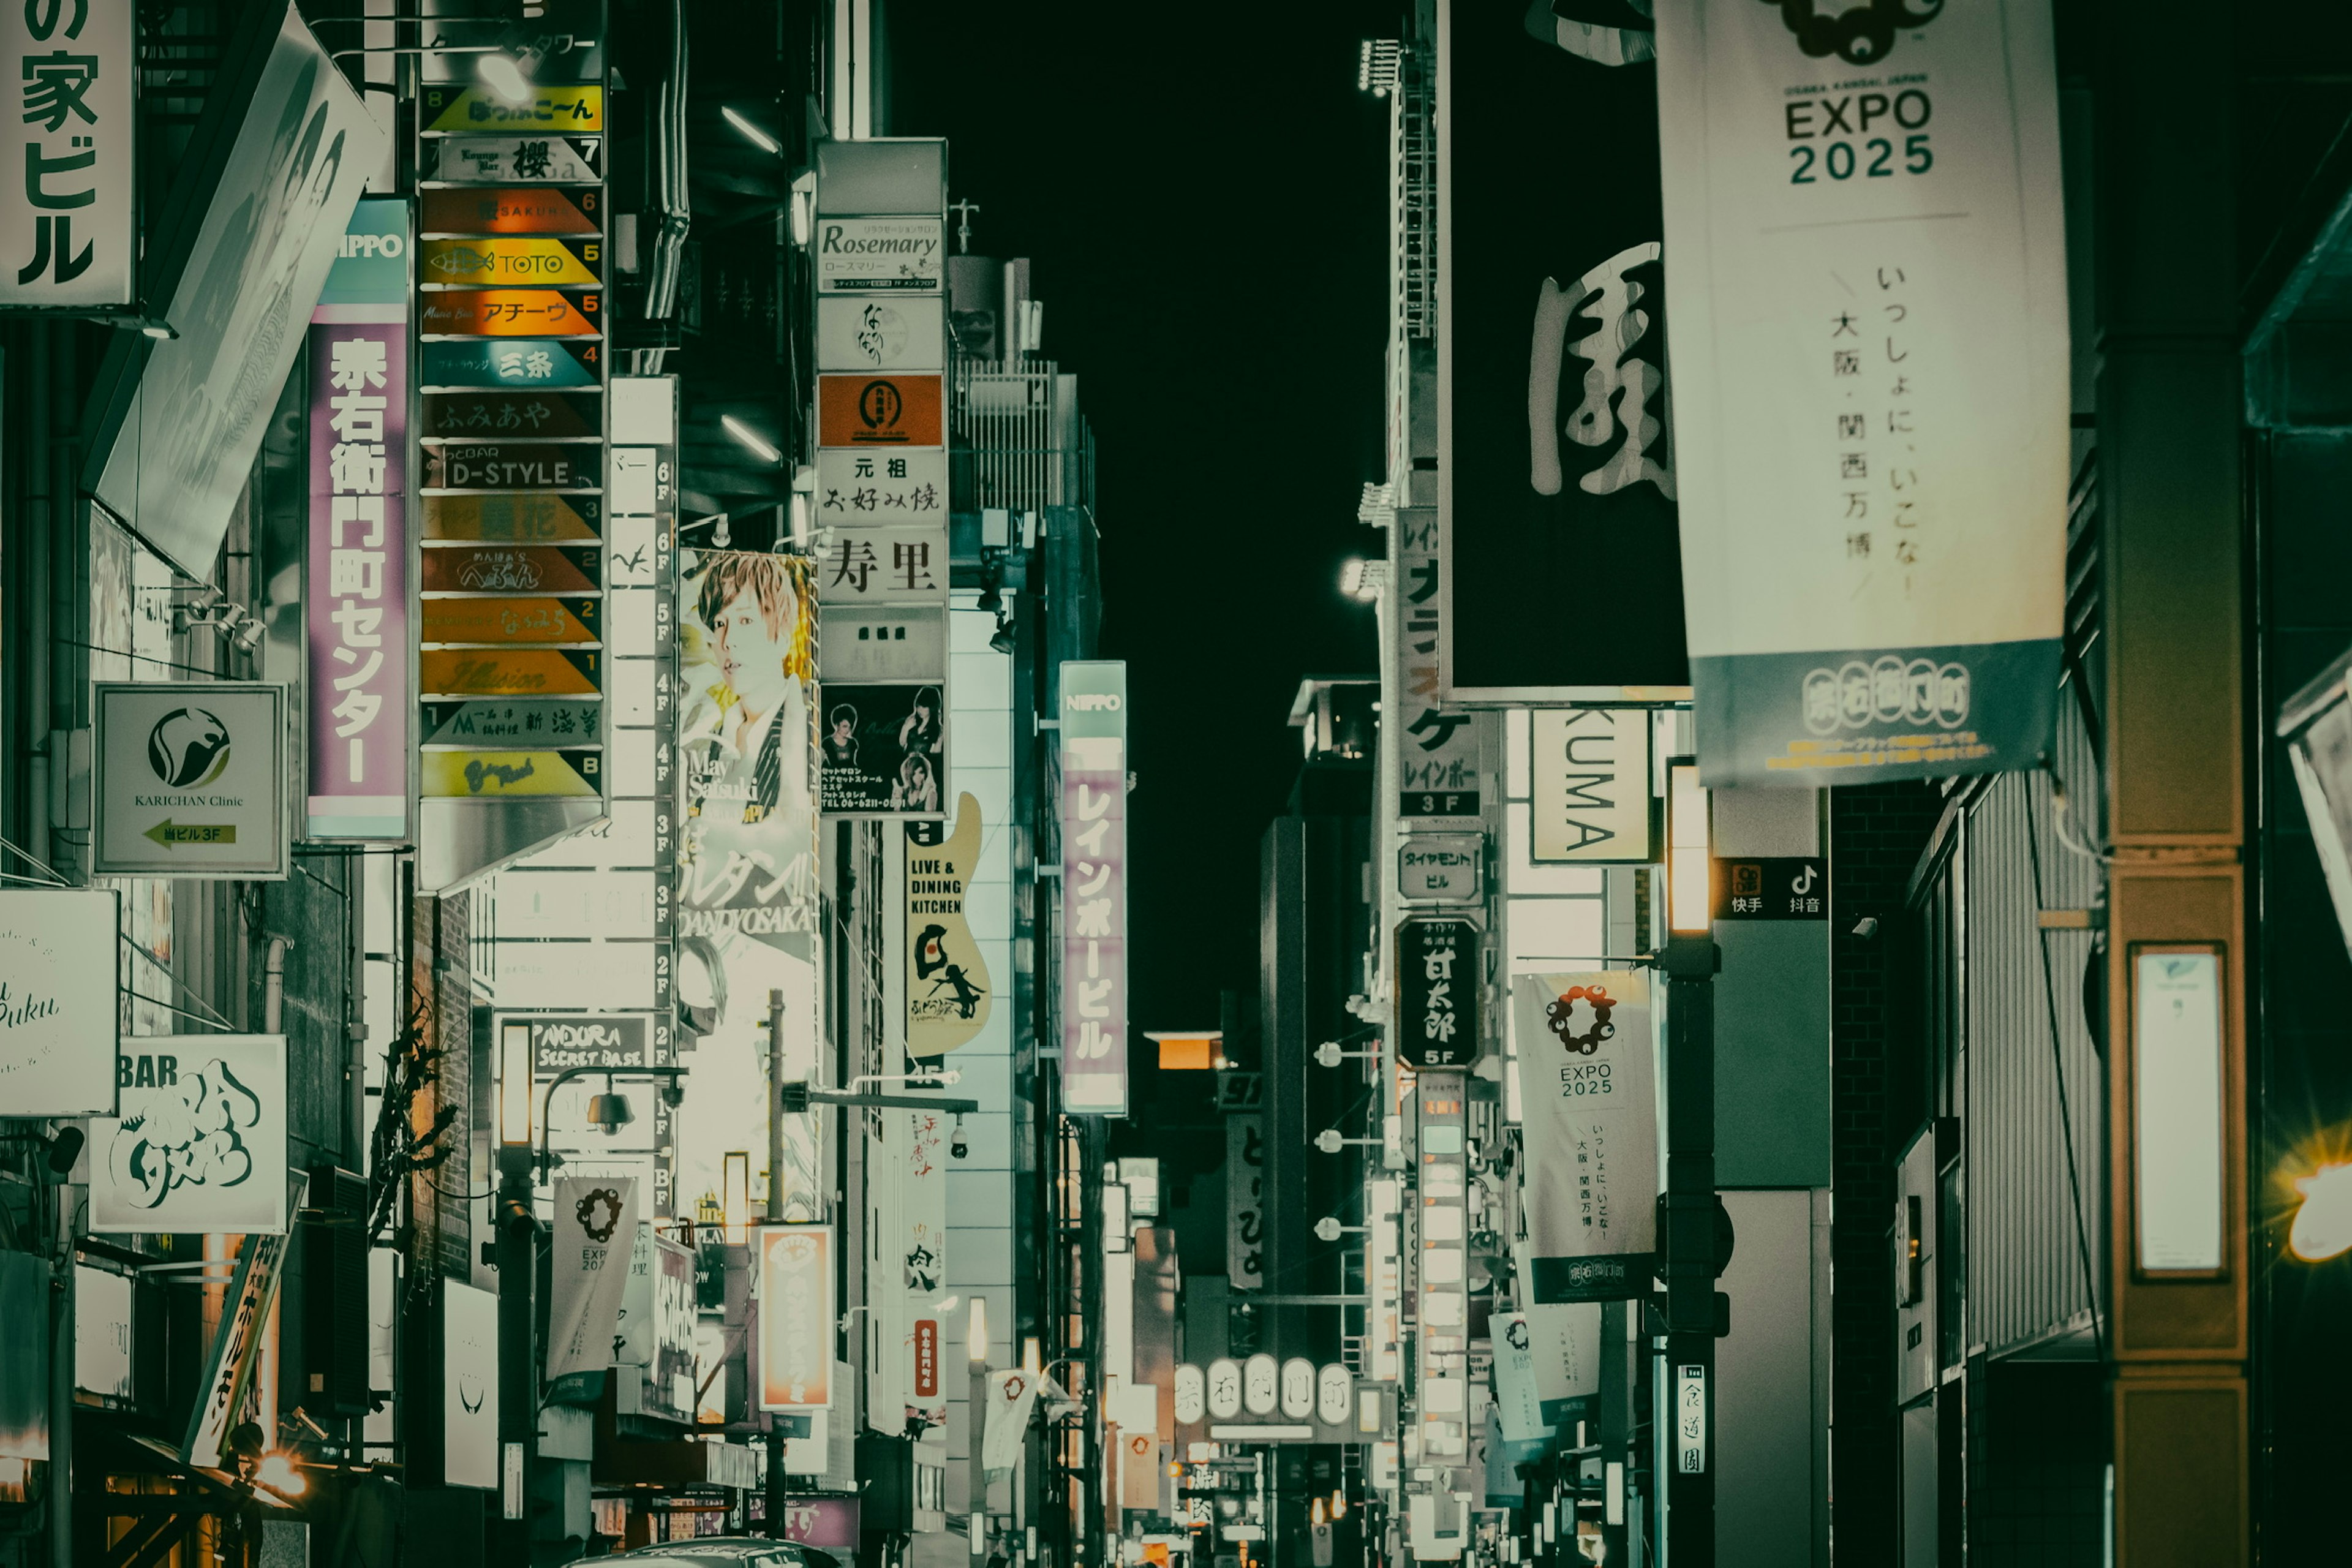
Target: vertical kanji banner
<point>65,229</point>
<point>1558,489</point>
<point>1870,356</point>
<point>1587,1080</point>
<point>1093,887</point>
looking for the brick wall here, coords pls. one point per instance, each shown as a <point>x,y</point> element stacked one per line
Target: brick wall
<point>1877,834</point>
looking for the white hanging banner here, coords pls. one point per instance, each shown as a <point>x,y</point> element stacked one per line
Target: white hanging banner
<point>1012,1396</point>
<point>596,1230</point>
<point>1589,1084</point>
<point>1866,273</point>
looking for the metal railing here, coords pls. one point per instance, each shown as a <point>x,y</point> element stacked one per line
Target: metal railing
<point>1019,441</point>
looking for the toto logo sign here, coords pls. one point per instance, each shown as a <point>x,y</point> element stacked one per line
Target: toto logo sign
<point>188,748</point>
<point>1888,692</point>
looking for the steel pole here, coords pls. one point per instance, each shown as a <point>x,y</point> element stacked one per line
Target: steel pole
<point>518,1255</point>
<point>775,1108</point>
<point>975,1434</point>
<point>1689,1242</point>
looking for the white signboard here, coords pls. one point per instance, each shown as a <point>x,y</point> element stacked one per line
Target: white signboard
<point>2177,1182</point>
<point>469,1386</point>
<point>1298,1388</point>
<point>1259,1383</point>
<point>859,489</point>
<point>1224,1392</point>
<point>1589,786</point>
<point>885,565</point>
<point>60,960</point>
<point>880,254</point>
<point>880,334</point>
<point>1870,358</point>
<point>199,1140</point>
<point>1192,1395</point>
<point>1441,867</point>
<point>1589,1087</point>
<point>513,160</point>
<point>191,780</point>
<point>66,235</point>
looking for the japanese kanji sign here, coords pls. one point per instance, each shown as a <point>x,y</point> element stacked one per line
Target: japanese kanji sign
<point>1093,887</point>
<point>495,160</point>
<point>879,411</point>
<point>359,601</point>
<point>1869,291</point>
<point>871,334</point>
<point>66,235</point>
<point>455,106</point>
<point>1439,980</point>
<point>947,981</point>
<point>1438,750</point>
<point>1559,478</point>
<point>1589,1085</point>
<point>859,488</point>
<point>898,565</point>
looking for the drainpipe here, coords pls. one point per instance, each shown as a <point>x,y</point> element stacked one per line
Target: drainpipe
<point>273,986</point>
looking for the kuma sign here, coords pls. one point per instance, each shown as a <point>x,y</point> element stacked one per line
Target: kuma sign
<point>1589,786</point>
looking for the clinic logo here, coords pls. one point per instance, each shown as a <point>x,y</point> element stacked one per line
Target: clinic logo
<point>188,748</point>
<point>1858,35</point>
<point>1886,691</point>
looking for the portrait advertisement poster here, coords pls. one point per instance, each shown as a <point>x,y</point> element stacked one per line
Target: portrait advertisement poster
<point>1588,1083</point>
<point>747,875</point>
<point>198,1140</point>
<point>1559,489</point>
<point>947,977</point>
<point>266,211</point>
<point>884,749</point>
<point>61,967</point>
<point>1871,343</point>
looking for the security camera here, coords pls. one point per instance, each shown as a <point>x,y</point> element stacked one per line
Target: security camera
<point>958,1148</point>
<point>1866,928</point>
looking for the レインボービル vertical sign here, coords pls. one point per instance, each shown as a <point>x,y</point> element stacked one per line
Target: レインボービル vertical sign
<point>1093,887</point>
<point>1870,351</point>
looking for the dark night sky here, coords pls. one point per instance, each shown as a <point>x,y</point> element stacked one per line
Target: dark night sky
<point>1207,225</point>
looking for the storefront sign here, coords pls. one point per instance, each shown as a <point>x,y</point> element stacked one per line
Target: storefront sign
<point>1438,986</point>
<point>871,333</point>
<point>360,719</point>
<point>857,488</point>
<point>884,749</point>
<point>512,260</point>
<point>198,1140</point>
<point>947,980</point>
<point>1442,867</point>
<point>880,254</point>
<point>496,415</point>
<point>560,1041</point>
<point>1093,887</point>
<point>513,569</point>
<point>532,363</point>
<point>1553,282</point>
<point>828,1523</point>
<point>189,414</point>
<point>896,566</point>
<point>1871,359</point>
<point>516,520</point>
<point>877,411</point>
<point>59,977</point>
<point>1590,783</point>
<point>191,779</point>
<point>1438,752</point>
<point>66,235</point>
<point>1246,1202</point>
<point>229,1360</point>
<point>796,1317</point>
<point>510,313</point>
<point>1589,1087</point>
<point>494,160</point>
<point>456,106</point>
<point>469,1386</point>
<point>508,672</point>
<point>515,466</point>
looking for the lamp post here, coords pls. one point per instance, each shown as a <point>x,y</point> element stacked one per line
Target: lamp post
<point>976,1423</point>
<point>517,1245</point>
<point>1691,960</point>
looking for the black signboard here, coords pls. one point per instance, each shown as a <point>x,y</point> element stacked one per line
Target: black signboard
<point>514,466</point>
<point>1561,481</point>
<point>1438,985</point>
<point>511,415</point>
<point>883,749</point>
<point>1792,888</point>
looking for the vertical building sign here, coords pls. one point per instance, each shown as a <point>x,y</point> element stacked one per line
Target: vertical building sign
<point>516,629</point>
<point>363,722</point>
<point>1438,751</point>
<point>1246,1202</point>
<point>1439,980</point>
<point>1093,887</point>
<point>1869,286</point>
<point>796,1317</point>
<point>1551,279</point>
<point>882,477</point>
<point>947,981</point>
<point>66,235</point>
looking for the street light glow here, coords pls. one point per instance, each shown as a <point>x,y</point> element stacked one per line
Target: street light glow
<point>749,439</point>
<point>503,75</point>
<point>751,133</point>
<point>515,1084</point>
<point>2322,1226</point>
<point>975,1342</point>
<point>1687,849</point>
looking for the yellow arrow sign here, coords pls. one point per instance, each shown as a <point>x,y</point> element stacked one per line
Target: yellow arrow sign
<point>169,833</point>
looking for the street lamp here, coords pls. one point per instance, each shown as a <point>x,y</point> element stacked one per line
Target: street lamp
<point>1689,1243</point>
<point>518,1069</point>
<point>2322,1227</point>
